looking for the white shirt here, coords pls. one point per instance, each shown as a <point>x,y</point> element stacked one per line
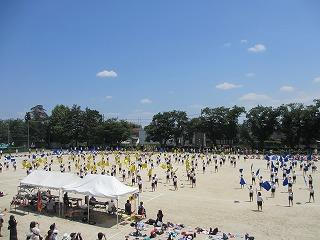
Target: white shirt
<point>111,206</point>
<point>259,199</point>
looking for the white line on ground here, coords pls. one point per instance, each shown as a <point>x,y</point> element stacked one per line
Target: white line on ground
<point>154,198</point>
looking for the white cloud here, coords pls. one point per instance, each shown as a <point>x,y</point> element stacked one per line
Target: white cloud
<point>227,44</point>
<point>316,80</point>
<point>305,97</point>
<point>244,41</point>
<point>287,89</point>
<point>145,101</point>
<point>254,97</point>
<point>258,48</point>
<point>107,74</point>
<point>227,86</point>
<point>111,115</point>
<point>196,106</point>
<point>250,75</point>
<point>108,97</point>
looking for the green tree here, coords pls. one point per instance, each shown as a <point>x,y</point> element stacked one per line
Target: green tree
<point>161,128</point>
<point>92,123</point>
<point>231,124</point>
<point>38,124</point>
<point>221,122</point>
<point>17,132</point>
<point>310,123</point>
<point>115,131</point>
<point>245,137</point>
<point>76,125</point>
<point>194,125</point>
<point>4,131</point>
<point>262,122</point>
<point>291,123</point>
<point>180,120</point>
<point>59,125</point>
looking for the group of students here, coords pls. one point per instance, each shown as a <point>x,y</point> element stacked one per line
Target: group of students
<point>289,179</point>
<point>34,232</point>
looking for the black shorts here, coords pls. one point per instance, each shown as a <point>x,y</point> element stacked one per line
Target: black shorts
<point>273,190</point>
<point>290,198</point>
<point>250,194</point>
<point>259,203</point>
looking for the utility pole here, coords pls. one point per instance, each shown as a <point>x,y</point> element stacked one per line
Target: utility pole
<point>8,132</point>
<point>28,118</point>
<point>28,135</point>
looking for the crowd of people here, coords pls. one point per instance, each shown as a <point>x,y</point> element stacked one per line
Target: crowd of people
<point>130,167</point>
<point>288,166</point>
<point>34,233</point>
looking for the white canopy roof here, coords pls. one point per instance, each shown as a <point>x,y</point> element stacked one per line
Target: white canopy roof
<point>50,180</point>
<point>100,186</point>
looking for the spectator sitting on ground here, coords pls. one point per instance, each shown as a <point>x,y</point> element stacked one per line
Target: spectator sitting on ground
<point>55,231</point>
<point>142,210</point>
<point>101,236</point>
<point>34,233</point>
<point>75,236</point>
<point>49,235</point>
<point>159,217</point>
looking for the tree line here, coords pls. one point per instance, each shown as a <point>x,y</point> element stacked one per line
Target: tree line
<point>65,127</point>
<point>291,125</point>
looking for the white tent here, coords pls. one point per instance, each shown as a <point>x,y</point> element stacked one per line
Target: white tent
<point>91,185</point>
<point>100,186</point>
<point>50,180</point>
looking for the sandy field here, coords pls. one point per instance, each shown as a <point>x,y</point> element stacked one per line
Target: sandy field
<point>216,201</point>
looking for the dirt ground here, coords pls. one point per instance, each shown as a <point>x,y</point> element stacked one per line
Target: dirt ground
<point>216,201</point>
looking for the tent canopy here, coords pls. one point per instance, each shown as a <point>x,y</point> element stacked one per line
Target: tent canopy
<point>100,186</point>
<point>50,180</point>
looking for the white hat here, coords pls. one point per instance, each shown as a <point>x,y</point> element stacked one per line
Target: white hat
<point>66,236</point>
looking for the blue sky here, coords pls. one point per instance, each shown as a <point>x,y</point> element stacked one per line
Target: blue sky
<point>131,59</point>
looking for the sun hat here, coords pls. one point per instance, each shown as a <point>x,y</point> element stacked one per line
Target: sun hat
<point>66,236</point>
